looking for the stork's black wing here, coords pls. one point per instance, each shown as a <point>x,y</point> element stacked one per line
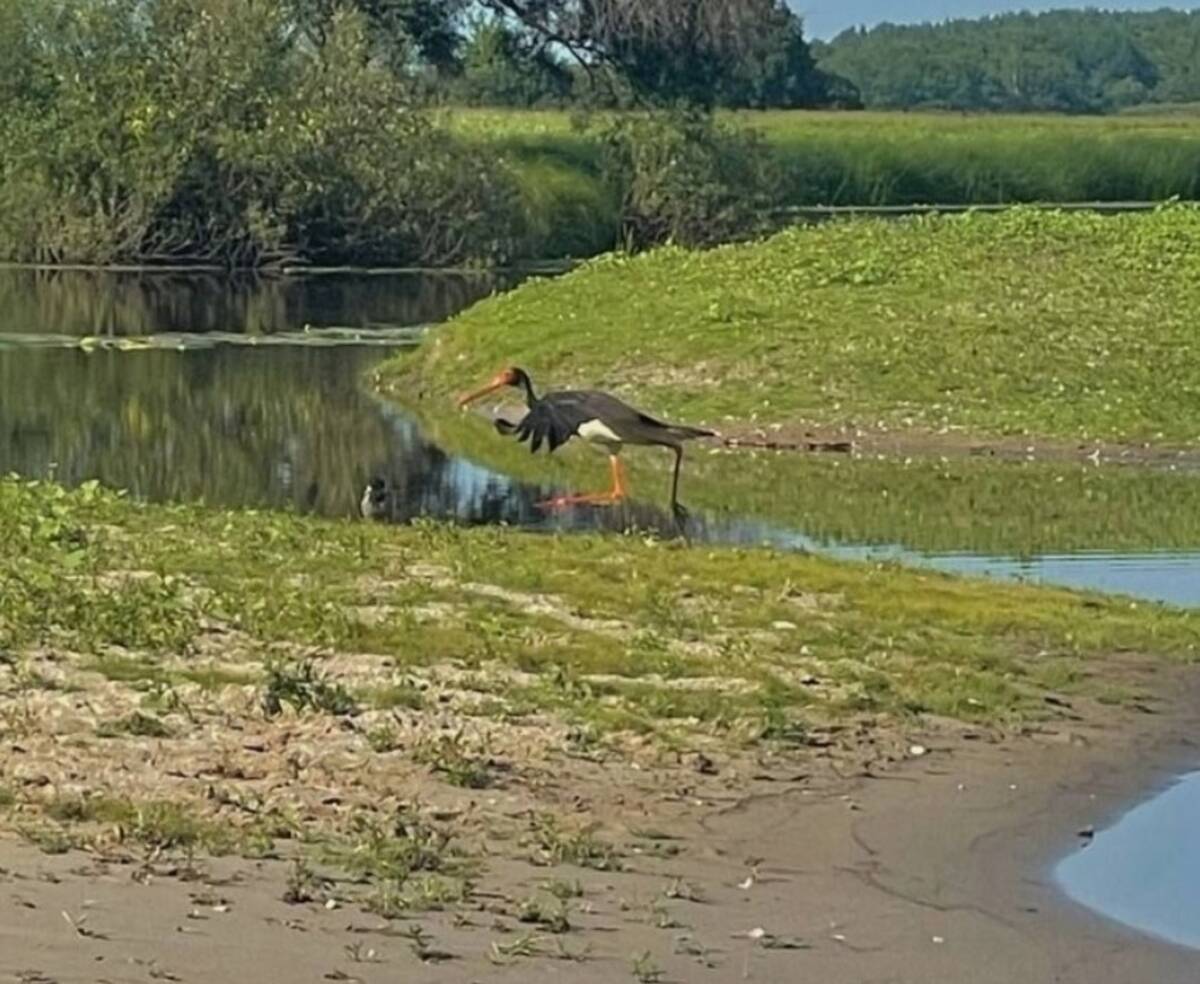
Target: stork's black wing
<point>553,420</point>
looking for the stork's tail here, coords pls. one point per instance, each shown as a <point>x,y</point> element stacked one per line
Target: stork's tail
<point>685,433</point>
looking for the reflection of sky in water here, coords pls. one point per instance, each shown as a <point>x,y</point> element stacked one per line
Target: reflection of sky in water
<point>1145,870</point>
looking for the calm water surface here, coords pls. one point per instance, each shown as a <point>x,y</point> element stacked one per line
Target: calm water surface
<point>1145,870</point>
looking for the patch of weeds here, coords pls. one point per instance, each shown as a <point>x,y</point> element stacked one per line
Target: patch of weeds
<point>392,696</point>
<point>386,899</point>
<point>523,947</point>
<point>562,889</point>
<point>646,970</point>
<point>163,697</point>
<point>424,947</point>
<point>302,686</point>
<point>392,851</point>
<point>431,893</point>
<point>679,889</point>
<point>160,824</point>
<point>580,848</point>
<point>8,799</point>
<point>149,614</point>
<point>661,918</point>
<point>779,723</point>
<point>137,725</point>
<point>383,738</point>
<point>126,669</point>
<point>47,838</point>
<point>448,757</point>
<point>302,884</point>
<point>361,953</point>
<point>548,913</point>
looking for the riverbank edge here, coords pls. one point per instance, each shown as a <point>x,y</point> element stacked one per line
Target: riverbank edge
<point>964,888</point>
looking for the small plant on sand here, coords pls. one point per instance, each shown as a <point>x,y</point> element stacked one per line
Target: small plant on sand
<point>302,885</point>
<point>645,970</point>
<point>562,889</point>
<point>383,738</point>
<point>302,686</point>
<point>136,725</point>
<point>524,946</point>
<point>448,756</point>
<point>392,849</point>
<point>548,913</point>
<point>581,848</point>
<point>424,947</point>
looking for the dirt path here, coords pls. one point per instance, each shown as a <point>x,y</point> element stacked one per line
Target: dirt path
<point>930,870</point>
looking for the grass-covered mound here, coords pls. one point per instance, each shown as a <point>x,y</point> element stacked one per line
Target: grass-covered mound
<point>1070,326</point>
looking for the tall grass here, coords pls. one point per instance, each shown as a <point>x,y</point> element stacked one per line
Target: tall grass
<point>829,158</point>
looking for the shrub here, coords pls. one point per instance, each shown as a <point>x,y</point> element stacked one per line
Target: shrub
<point>686,178</point>
<point>145,130</point>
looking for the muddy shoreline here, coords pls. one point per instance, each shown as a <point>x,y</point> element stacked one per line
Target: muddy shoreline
<point>856,868</point>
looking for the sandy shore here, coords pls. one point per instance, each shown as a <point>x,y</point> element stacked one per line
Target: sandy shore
<point>934,869</point>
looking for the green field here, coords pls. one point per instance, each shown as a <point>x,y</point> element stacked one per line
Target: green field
<point>841,158</point>
<point>1076,327</point>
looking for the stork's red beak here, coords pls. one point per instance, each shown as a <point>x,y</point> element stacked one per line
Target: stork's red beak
<point>499,381</point>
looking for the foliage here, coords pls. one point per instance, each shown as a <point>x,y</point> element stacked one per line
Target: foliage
<point>402,32</point>
<point>1028,322</point>
<point>498,70</point>
<point>205,129</point>
<point>685,178</point>
<point>1064,60</point>
<point>704,52</point>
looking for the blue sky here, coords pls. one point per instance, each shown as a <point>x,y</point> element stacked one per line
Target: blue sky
<point>825,18</point>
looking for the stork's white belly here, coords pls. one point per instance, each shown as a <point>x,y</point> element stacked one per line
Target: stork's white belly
<point>598,432</point>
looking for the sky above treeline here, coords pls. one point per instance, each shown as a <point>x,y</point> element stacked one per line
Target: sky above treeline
<point>826,18</point>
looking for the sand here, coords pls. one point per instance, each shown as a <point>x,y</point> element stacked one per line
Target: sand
<point>935,868</point>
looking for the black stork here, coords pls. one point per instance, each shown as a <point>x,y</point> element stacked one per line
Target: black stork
<point>596,417</point>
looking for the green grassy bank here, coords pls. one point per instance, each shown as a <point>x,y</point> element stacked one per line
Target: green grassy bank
<point>600,629</point>
<point>1064,326</point>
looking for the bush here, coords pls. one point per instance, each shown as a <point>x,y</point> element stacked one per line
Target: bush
<point>150,130</point>
<point>685,178</point>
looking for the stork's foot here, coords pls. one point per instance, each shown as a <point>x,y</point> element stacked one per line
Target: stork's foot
<point>594,499</point>
<point>681,516</point>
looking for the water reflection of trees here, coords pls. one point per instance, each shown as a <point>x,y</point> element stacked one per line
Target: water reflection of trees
<point>80,302</point>
<point>230,426</point>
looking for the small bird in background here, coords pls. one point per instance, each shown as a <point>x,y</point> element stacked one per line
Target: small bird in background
<point>376,499</point>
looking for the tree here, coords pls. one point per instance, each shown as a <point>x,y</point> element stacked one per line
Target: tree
<point>669,50</point>
<point>499,70</point>
<point>1066,60</point>
<point>401,31</point>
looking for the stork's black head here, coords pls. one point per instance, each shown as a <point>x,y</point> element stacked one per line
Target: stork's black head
<point>512,376</point>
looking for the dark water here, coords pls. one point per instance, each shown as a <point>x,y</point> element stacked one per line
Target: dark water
<point>249,392</point>
<point>1144,871</point>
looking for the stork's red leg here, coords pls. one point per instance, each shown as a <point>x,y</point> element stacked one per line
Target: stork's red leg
<point>618,491</point>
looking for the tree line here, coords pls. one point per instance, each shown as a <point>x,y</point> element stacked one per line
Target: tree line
<point>1079,61</point>
<point>257,132</point>
<point>733,53</point>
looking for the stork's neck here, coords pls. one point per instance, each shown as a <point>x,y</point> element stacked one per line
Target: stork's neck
<point>526,384</point>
